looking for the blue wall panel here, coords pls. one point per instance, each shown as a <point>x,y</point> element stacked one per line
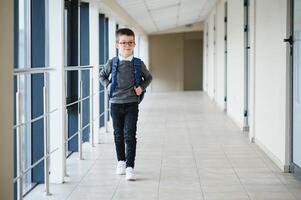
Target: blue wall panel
<point>85,60</point>
<point>72,77</point>
<point>102,60</point>
<point>107,47</point>
<point>37,83</point>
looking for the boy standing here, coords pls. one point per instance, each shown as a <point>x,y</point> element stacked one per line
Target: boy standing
<point>124,99</point>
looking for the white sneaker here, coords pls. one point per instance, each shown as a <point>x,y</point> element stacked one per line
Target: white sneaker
<point>129,174</point>
<point>120,169</point>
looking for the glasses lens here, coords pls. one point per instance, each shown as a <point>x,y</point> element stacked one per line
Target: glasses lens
<point>125,43</point>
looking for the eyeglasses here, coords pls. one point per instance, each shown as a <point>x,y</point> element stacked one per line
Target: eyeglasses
<point>127,43</point>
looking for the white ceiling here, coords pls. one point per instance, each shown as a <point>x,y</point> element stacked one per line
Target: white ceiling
<point>160,15</point>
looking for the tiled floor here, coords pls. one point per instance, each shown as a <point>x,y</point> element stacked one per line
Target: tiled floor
<point>187,150</point>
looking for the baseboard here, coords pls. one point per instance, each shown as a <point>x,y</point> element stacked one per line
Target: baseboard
<point>252,139</point>
<point>237,123</point>
<point>246,129</point>
<point>283,167</point>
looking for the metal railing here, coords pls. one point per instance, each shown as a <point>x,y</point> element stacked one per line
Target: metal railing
<point>46,116</point>
<point>19,124</point>
<point>79,101</point>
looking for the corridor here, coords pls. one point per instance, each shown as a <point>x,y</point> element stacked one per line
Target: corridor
<point>188,149</point>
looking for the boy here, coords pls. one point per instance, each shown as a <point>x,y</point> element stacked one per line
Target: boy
<point>124,98</point>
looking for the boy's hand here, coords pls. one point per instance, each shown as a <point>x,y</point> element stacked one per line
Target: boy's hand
<point>108,87</point>
<point>138,90</point>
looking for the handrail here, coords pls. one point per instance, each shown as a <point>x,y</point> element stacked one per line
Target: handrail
<point>38,70</point>
<point>77,68</point>
<point>79,100</point>
<point>35,119</point>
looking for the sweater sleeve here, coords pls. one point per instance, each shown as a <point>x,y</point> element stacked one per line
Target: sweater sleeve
<point>104,75</point>
<point>146,76</point>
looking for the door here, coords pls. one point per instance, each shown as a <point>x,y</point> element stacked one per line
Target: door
<point>247,68</point>
<point>226,55</point>
<point>297,83</point>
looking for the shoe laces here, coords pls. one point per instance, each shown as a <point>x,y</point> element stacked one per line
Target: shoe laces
<point>121,164</point>
<point>130,170</point>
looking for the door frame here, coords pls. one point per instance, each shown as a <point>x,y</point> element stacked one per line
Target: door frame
<point>293,168</point>
<point>246,64</point>
<point>226,55</point>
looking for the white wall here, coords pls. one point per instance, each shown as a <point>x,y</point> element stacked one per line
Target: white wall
<point>137,47</point>
<point>270,80</point>
<point>268,72</point>
<point>205,57</point>
<point>144,50</point>
<point>215,63</point>
<point>220,57</point>
<point>235,73</point>
<point>6,106</point>
<point>210,59</point>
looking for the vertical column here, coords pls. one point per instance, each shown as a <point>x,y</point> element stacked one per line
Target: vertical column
<point>112,39</point>
<point>46,132</point>
<point>18,148</point>
<point>6,106</point>
<point>80,115</point>
<point>57,90</point>
<point>94,61</point>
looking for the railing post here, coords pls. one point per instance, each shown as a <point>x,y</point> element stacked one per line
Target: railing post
<point>19,142</point>
<point>46,133</point>
<point>106,109</point>
<point>80,123</point>
<point>91,108</point>
<point>80,116</point>
<point>66,143</point>
<point>66,125</point>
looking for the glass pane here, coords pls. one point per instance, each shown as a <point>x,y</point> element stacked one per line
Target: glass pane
<point>24,62</point>
<point>297,84</point>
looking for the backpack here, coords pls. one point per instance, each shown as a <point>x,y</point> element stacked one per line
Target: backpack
<point>137,74</point>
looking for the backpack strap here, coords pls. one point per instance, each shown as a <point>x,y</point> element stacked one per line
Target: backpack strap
<point>138,77</point>
<point>114,75</point>
<point>137,71</point>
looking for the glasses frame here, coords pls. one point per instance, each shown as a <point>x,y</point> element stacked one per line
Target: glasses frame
<point>131,43</point>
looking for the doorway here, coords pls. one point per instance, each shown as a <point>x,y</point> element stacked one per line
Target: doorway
<point>193,67</point>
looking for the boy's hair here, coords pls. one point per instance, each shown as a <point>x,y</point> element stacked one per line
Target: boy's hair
<point>124,31</point>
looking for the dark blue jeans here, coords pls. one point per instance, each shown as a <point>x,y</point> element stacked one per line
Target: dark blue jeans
<point>125,118</point>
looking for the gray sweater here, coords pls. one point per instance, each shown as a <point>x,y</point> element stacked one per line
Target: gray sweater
<point>124,92</point>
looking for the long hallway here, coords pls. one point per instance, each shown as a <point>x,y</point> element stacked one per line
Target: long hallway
<point>188,149</point>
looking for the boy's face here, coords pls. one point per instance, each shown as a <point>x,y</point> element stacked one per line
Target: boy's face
<point>125,45</point>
